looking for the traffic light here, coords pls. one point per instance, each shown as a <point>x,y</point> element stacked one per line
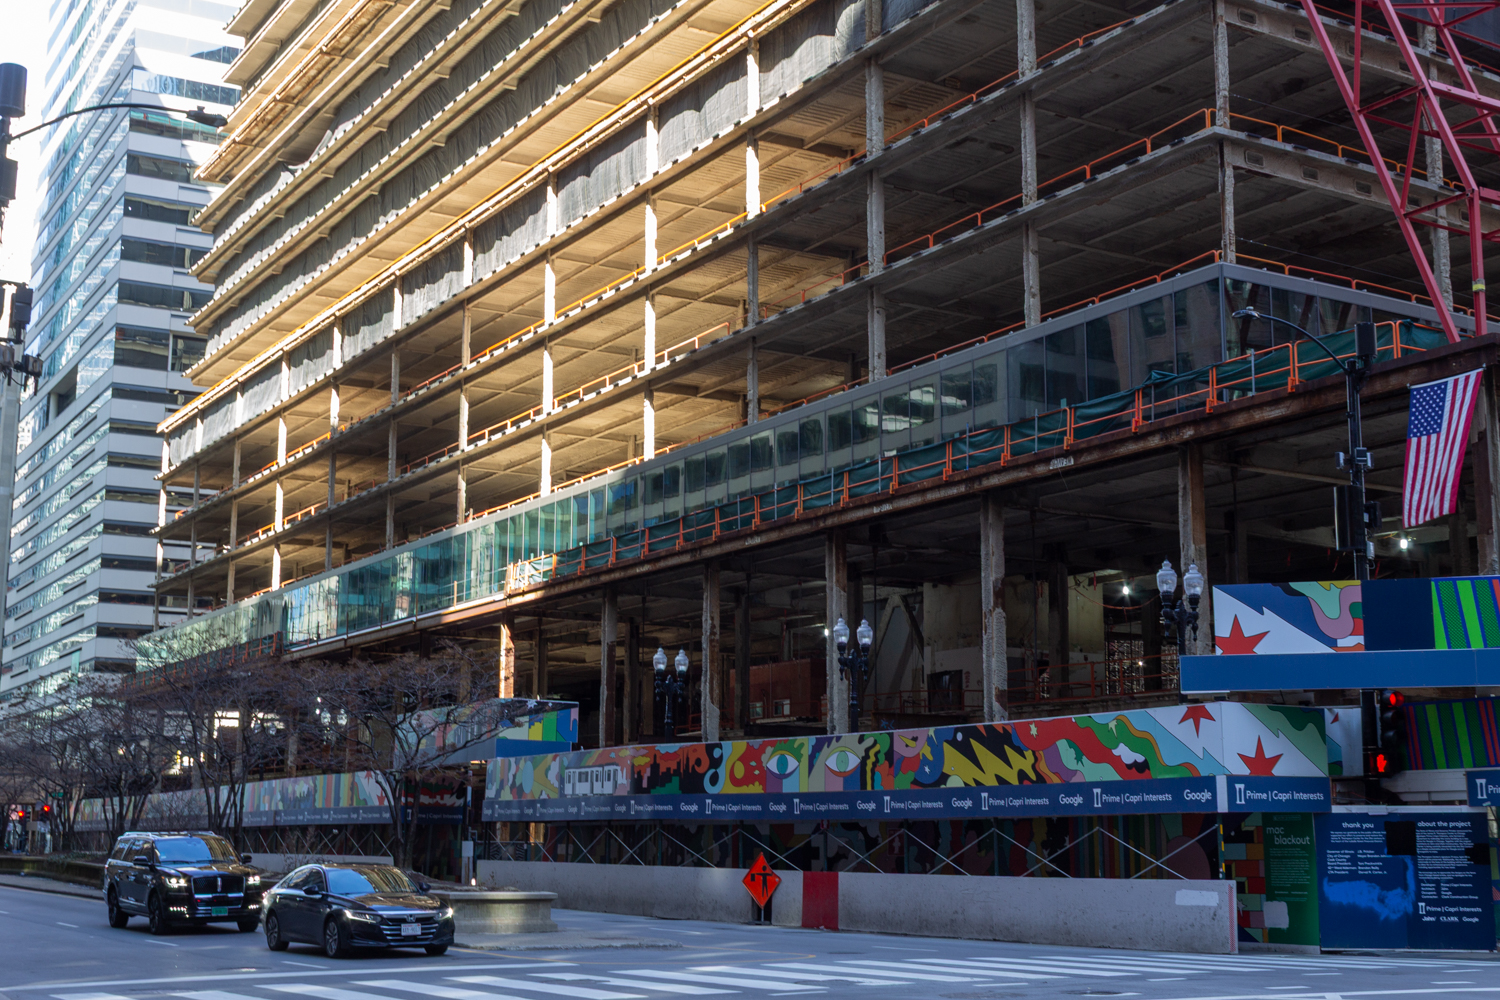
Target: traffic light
<point>1388,756</point>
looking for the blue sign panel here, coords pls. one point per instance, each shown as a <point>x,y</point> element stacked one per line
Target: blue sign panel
<point>1404,880</point>
<point>1107,798</point>
<point>1425,668</point>
<point>1484,787</point>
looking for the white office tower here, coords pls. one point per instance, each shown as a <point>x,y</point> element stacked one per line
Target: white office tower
<point>114,241</point>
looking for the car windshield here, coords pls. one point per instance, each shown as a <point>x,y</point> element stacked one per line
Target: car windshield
<point>367,878</point>
<point>181,850</point>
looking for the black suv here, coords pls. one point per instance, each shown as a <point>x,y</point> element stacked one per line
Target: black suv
<point>180,878</point>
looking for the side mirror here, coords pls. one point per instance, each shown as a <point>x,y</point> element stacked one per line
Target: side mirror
<point>245,859</point>
<point>313,893</point>
<point>142,860</point>
<point>423,887</point>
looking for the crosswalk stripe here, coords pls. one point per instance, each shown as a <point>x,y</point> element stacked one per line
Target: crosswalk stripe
<point>451,993</point>
<point>849,975</point>
<point>1019,965</point>
<point>884,969</point>
<point>966,969</point>
<point>693,977</point>
<point>639,983</point>
<point>1130,964</point>
<point>214,995</point>
<point>88,996</point>
<point>326,992</point>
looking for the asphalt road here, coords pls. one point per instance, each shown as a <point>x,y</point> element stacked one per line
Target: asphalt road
<point>61,948</point>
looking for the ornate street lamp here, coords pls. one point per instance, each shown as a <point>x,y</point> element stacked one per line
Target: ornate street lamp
<point>854,664</point>
<point>669,686</point>
<point>1179,615</point>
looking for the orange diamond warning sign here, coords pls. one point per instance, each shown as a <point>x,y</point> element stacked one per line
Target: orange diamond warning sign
<point>761,881</point>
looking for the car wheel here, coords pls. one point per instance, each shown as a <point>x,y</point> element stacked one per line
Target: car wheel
<point>436,949</point>
<point>274,940</point>
<point>156,915</point>
<point>117,916</point>
<point>335,939</point>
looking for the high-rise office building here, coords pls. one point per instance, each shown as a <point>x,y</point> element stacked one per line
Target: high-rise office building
<point>114,242</point>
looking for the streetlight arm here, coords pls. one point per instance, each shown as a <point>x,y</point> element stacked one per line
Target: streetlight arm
<point>199,115</point>
<point>1254,314</point>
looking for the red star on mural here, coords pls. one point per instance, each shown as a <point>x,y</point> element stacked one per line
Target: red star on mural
<point>1237,641</point>
<point>1260,763</point>
<point>1198,713</point>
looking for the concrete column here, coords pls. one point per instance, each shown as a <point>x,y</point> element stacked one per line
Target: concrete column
<point>653,164</point>
<point>546,484</point>
<point>390,520</point>
<point>328,544</point>
<point>396,323</point>
<point>390,450</point>
<point>836,588</point>
<point>192,601</point>
<point>395,375</point>
<point>461,494</point>
<point>234,522</point>
<point>1486,473</point>
<point>608,626</point>
<point>712,691</point>
<point>235,474</point>
<point>752,282</point>
<point>752,383</point>
<point>752,177</point>
<point>629,726</point>
<point>742,657</point>
<point>539,679</point>
<point>506,661</point>
<point>333,468</point>
<point>752,78</point>
<point>549,390</point>
<point>229,583</point>
<point>549,291</point>
<point>650,252</point>
<point>333,408</point>
<point>1228,237</point>
<point>648,345</point>
<point>1221,66</point>
<point>280,507</point>
<point>1031,263</point>
<point>1192,531</point>
<point>275,572</point>
<point>875,214</point>
<point>875,322</point>
<point>1442,258</point>
<point>1059,652</point>
<point>648,424</point>
<point>994,667</point>
<point>873,13</point>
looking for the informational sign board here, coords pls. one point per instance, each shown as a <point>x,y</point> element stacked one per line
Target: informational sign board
<point>1416,880</point>
<point>1484,787</point>
<point>1273,859</point>
<point>761,881</point>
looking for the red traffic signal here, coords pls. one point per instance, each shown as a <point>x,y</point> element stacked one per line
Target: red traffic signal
<point>1380,763</point>
<point>1392,699</point>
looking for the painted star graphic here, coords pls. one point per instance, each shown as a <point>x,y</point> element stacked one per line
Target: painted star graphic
<point>1237,642</point>
<point>1033,729</point>
<point>1198,713</point>
<point>1260,763</point>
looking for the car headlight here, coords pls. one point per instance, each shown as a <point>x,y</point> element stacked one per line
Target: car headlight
<point>176,882</point>
<point>369,918</point>
<point>445,913</point>
<point>252,881</point>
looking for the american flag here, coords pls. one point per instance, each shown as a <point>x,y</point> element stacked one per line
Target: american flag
<point>1436,436</point>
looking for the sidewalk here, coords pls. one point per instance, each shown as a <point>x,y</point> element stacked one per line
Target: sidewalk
<point>37,883</point>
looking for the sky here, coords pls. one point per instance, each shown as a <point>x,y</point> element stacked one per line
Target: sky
<point>24,41</point>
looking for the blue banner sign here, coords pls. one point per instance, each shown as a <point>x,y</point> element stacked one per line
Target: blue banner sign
<point>1209,794</point>
<point>1484,787</point>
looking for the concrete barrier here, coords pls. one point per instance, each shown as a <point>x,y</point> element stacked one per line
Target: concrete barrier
<point>61,869</point>
<point>494,912</point>
<point>1148,914</point>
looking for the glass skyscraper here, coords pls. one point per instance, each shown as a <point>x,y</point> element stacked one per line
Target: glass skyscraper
<point>114,242</point>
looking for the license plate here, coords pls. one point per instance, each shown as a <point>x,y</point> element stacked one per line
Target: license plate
<point>411,930</point>
<point>221,911</point>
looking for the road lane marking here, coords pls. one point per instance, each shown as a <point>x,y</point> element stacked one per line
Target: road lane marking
<point>169,944</point>
<point>694,977</point>
<point>305,965</point>
<point>848,976</point>
<point>424,966</point>
<point>892,969</point>
<point>61,923</point>
<point>638,983</point>
<point>453,993</point>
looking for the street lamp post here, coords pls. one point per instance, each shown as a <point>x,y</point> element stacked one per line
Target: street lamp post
<point>1178,616</point>
<point>854,663</point>
<point>1360,516</point>
<point>669,687</point>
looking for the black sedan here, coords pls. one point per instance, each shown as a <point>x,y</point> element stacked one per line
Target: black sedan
<point>344,906</point>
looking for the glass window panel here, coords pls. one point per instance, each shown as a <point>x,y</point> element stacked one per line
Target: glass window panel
<point>692,471</point>
<point>533,528</point>
<point>760,452</point>
<point>810,437</point>
<point>596,515</point>
<point>867,422</point>
<point>739,459</point>
<point>786,446</point>
<point>1334,316</point>
<point>958,386</point>
<point>1152,345</point>
<point>622,496</point>
<point>1196,311</point>
<point>1245,333</point>
<point>840,432</point>
<point>547,539</point>
<point>923,404</point>
<point>713,468</point>
<point>1064,368</point>
<point>671,479</point>
<point>1107,344</point>
<point>1028,380</point>
<point>989,404</point>
<point>581,519</point>
<point>894,407</point>
<point>652,486</point>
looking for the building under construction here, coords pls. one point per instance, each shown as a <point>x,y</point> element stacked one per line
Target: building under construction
<point>579,329</point>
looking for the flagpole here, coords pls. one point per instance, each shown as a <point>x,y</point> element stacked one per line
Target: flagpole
<point>1357,512</point>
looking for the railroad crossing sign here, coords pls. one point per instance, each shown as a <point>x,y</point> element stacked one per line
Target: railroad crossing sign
<point>761,881</point>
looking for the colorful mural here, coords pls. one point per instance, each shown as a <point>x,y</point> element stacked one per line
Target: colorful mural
<point>1197,742</point>
<point>1453,734</point>
<point>1349,616</point>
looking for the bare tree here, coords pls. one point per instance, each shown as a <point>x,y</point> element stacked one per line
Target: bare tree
<point>408,720</point>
